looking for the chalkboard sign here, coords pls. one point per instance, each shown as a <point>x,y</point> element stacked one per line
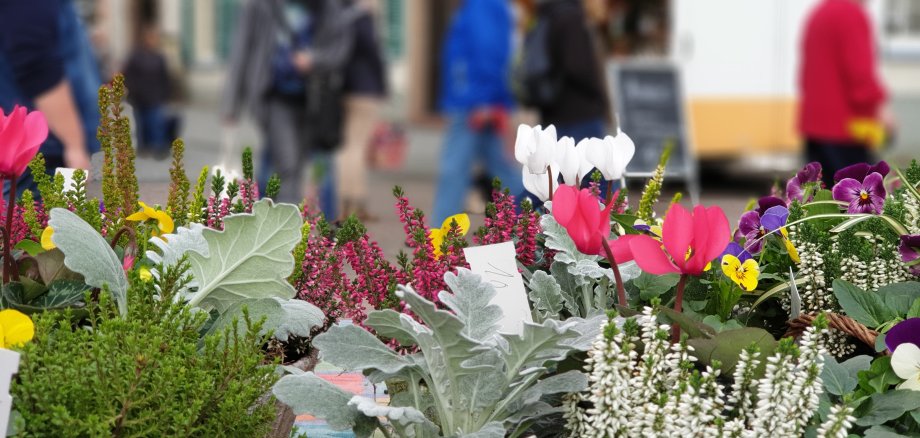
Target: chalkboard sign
<point>649,104</point>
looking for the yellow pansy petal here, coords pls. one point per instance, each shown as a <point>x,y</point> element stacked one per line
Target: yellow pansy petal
<point>17,327</point>
<point>2,342</point>
<point>749,273</point>
<point>148,210</point>
<point>436,237</point>
<point>138,217</point>
<point>145,274</point>
<point>463,223</point>
<point>164,222</point>
<point>708,267</point>
<point>730,266</point>
<point>47,244</point>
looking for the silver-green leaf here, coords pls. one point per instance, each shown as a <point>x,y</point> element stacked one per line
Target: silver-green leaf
<point>353,348</point>
<point>250,258</point>
<point>87,253</point>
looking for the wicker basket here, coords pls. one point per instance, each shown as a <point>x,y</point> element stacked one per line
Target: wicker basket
<point>840,322</point>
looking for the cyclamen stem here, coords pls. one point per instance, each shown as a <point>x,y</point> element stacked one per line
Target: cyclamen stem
<point>9,265</point>
<point>678,304</point>
<point>621,290</point>
<point>609,191</point>
<point>549,176</point>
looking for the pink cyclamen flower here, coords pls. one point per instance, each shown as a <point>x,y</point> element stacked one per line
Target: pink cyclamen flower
<point>579,212</point>
<point>867,196</point>
<point>21,134</point>
<point>688,242</point>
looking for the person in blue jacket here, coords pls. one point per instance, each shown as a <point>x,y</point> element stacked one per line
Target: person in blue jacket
<point>476,98</point>
<point>47,64</point>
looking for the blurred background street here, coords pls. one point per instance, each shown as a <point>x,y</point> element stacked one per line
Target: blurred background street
<point>737,65</point>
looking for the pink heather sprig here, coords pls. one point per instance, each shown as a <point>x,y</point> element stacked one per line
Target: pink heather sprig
<point>595,188</point>
<point>373,277</point>
<point>248,194</point>
<point>323,281</point>
<point>500,220</point>
<point>528,228</point>
<point>217,210</point>
<point>20,230</point>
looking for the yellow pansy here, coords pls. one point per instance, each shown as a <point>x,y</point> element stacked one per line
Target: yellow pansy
<point>16,328</point>
<point>743,274</point>
<point>47,244</point>
<point>144,274</point>
<point>436,235</point>
<point>790,248</point>
<point>165,223</point>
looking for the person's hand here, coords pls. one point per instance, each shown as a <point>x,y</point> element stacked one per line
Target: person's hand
<point>888,119</point>
<point>76,158</point>
<point>303,61</point>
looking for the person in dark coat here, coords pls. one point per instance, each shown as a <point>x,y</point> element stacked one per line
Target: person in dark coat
<point>147,79</point>
<point>580,108</point>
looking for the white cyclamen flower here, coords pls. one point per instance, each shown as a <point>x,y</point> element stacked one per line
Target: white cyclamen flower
<point>567,161</point>
<point>611,155</point>
<point>539,185</point>
<point>534,147</point>
<point>905,361</point>
<point>584,166</point>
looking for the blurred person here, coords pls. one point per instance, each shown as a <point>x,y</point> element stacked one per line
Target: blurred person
<point>147,78</point>
<point>476,97</point>
<point>563,77</point>
<point>578,104</point>
<point>839,85</point>
<point>278,43</point>
<point>364,88</point>
<point>46,64</point>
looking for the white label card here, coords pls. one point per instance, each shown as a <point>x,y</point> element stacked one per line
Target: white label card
<point>497,264</point>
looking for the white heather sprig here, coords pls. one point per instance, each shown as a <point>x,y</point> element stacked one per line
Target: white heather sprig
<point>838,423</point>
<point>658,393</point>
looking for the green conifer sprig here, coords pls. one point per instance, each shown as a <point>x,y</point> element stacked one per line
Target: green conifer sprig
<point>653,189</point>
<point>178,204</point>
<point>196,208</point>
<point>29,214</point>
<point>273,186</point>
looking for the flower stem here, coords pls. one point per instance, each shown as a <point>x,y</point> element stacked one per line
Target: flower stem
<point>621,290</point>
<point>9,265</point>
<point>678,304</point>
<point>609,192</point>
<point>549,176</point>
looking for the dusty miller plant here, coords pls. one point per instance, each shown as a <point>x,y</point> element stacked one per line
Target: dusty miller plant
<point>466,379</point>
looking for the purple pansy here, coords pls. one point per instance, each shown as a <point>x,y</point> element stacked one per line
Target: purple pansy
<point>754,226</point>
<point>867,196</point>
<point>904,332</point>
<point>737,251</point>
<point>909,248</point>
<point>860,171</point>
<point>809,174</point>
<point>767,202</point>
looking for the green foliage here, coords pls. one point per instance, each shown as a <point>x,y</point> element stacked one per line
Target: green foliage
<point>653,189</point>
<point>30,214</point>
<point>869,308</point>
<point>273,187</point>
<point>178,204</point>
<point>248,173</point>
<point>299,253</point>
<point>86,209</point>
<point>119,179</point>
<point>146,374</point>
<point>196,208</point>
<point>218,182</point>
<point>468,377</point>
<point>50,189</point>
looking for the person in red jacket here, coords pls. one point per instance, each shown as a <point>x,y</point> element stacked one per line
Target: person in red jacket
<point>839,84</point>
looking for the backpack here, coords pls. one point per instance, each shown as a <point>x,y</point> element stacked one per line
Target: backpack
<point>534,82</point>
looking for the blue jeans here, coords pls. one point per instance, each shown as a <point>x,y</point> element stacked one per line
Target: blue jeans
<point>151,129</point>
<point>462,148</point>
